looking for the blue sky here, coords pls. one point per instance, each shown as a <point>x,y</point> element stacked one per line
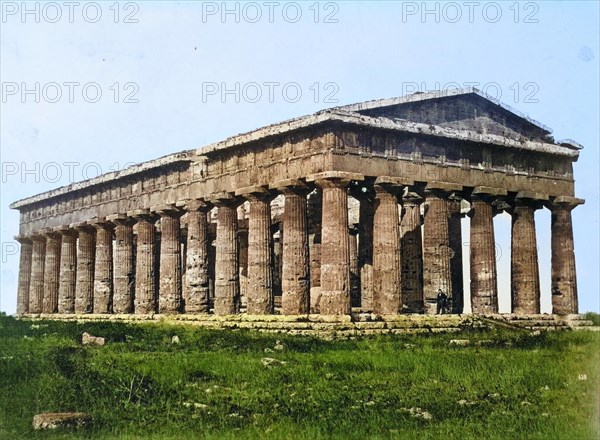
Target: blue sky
<point>538,57</point>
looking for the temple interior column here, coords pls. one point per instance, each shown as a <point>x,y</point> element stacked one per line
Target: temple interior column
<point>354,271</point>
<point>564,278</point>
<point>455,243</point>
<point>365,247</point>
<point>295,281</point>
<point>86,261</point>
<point>260,261</point>
<point>68,271</point>
<point>386,250</point>
<point>227,287</point>
<point>436,249</point>
<point>169,293</point>
<point>103,270</point>
<point>124,268</point>
<point>412,254</point>
<point>51,272</point>
<point>525,277</point>
<point>335,254</point>
<point>145,262</point>
<point>484,282</point>
<point>196,290</point>
<point>314,203</point>
<point>25,261</point>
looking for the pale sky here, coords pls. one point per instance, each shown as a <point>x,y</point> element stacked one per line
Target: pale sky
<point>186,74</point>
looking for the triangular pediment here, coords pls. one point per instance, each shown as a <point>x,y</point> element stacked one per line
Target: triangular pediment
<point>462,110</point>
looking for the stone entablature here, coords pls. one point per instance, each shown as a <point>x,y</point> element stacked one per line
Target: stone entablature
<point>446,148</point>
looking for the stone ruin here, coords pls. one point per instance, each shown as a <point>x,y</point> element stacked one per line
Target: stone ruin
<point>352,208</point>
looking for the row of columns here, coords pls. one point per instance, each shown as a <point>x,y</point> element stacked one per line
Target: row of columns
<point>70,270</point>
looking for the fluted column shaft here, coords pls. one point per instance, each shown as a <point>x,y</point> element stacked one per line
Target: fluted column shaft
<point>365,251</point>
<point>145,258</point>
<point>25,260</point>
<point>196,289</point>
<point>260,262</point>
<point>564,277</point>
<point>84,281</point>
<point>335,253</point>
<point>124,268</point>
<point>227,287</point>
<point>436,250</point>
<point>386,252</point>
<point>484,282</point>
<point>296,264</point>
<point>169,294</point>
<point>354,272</point>
<point>68,271</point>
<point>36,287</point>
<point>456,264</point>
<point>412,255</point>
<point>51,273</point>
<point>525,277</point>
<point>103,270</point>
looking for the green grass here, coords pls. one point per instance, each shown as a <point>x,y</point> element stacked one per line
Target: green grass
<point>140,386</point>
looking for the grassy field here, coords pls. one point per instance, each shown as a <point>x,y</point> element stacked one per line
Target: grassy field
<point>214,384</point>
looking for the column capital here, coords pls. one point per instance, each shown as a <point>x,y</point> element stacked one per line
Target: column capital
<point>168,210</point>
<point>334,179</point>
<point>292,186</point>
<point>411,198</point>
<point>100,223</point>
<point>143,214</point>
<point>120,219</point>
<point>81,227</point>
<point>256,193</point>
<point>49,233</point>
<point>195,205</point>
<point>564,202</point>
<point>65,230</point>
<point>224,198</point>
<point>23,239</point>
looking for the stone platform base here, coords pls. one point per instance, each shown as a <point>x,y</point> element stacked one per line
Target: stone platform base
<point>343,326</point>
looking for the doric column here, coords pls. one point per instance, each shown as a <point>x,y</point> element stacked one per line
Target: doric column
<point>124,268</point>
<point>525,277</point>
<point>169,292</point>
<point>295,281</point>
<point>227,286</point>
<point>196,285</point>
<point>354,272</point>
<point>68,271</point>
<point>103,270</point>
<point>260,261</point>
<point>365,247</point>
<point>36,286</point>
<point>145,262</point>
<point>455,243</point>
<point>484,282</point>
<point>412,253</point>
<point>564,278</point>
<point>24,274</point>
<point>86,258</point>
<point>335,254</point>
<point>51,272</point>
<point>386,250</point>
<point>436,247</point>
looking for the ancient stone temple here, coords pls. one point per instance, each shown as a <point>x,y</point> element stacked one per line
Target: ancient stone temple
<point>357,206</point>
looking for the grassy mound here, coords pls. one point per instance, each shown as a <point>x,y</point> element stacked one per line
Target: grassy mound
<point>220,385</point>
